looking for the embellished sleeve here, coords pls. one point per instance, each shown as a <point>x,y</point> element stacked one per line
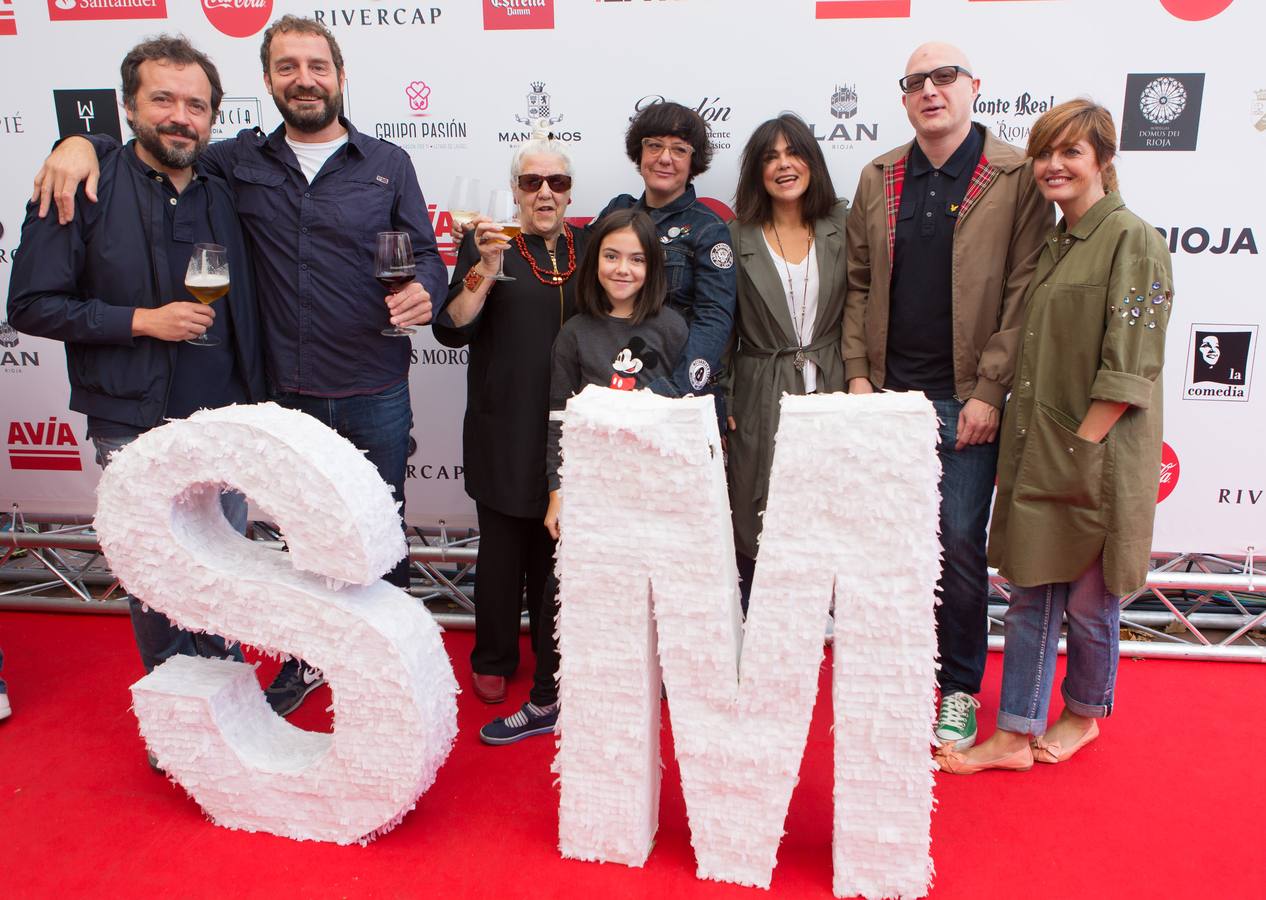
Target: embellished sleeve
<point>1139,300</point>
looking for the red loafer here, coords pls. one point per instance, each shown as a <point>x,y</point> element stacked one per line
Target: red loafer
<point>489,688</point>
<point>955,763</point>
<point>1053,752</point>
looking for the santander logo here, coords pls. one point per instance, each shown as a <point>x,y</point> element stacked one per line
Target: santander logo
<point>238,18</point>
<point>1169,470</point>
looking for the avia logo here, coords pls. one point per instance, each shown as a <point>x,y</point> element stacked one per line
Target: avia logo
<point>1169,472</point>
<point>442,225</point>
<point>1198,240</point>
<point>8,21</point>
<point>419,94</point>
<point>237,18</point>
<point>91,10</point>
<point>513,15</point>
<point>47,445</point>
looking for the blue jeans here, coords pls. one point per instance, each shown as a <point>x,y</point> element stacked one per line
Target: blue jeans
<point>1032,646</point>
<point>967,479</point>
<point>377,424</point>
<point>156,637</point>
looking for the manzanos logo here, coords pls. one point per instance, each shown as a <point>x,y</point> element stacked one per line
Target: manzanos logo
<point>513,15</point>
<point>49,445</point>
<point>238,18</point>
<point>844,105</point>
<point>89,10</point>
<point>421,131</point>
<point>1169,472</point>
<point>539,117</point>
<point>715,114</point>
<point>12,359</point>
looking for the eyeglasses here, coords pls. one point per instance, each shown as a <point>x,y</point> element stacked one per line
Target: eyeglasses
<point>942,76</point>
<point>678,152</point>
<point>557,183</point>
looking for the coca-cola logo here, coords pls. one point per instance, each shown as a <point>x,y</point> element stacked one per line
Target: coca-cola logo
<point>1195,10</point>
<point>1169,471</point>
<point>238,18</point>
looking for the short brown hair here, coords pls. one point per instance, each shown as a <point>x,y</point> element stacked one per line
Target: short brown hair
<point>298,24</point>
<point>591,299</point>
<point>174,49</point>
<point>670,119</point>
<point>752,202</point>
<point>1073,121</point>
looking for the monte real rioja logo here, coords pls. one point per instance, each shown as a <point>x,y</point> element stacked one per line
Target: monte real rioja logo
<point>1162,111</point>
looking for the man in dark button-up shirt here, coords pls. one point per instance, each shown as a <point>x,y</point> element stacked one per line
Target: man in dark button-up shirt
<point>942,241</point>
<point>312,196</point>
<point>111,286</point>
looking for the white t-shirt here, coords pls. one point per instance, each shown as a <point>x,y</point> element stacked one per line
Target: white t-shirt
<point>313,156</point>
<point>801,292</point>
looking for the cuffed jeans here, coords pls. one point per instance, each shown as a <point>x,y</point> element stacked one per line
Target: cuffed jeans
<point>377,424</point>
<point>1032,646</point>
<point>157,638</point>
<point>967,479</point>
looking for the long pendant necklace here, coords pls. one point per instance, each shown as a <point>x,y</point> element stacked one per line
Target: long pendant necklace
<point>799,360</point>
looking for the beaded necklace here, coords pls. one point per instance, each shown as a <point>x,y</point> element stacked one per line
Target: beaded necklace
<point>553,278</point>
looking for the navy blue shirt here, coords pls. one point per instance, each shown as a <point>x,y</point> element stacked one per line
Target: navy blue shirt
<point>313,249</point>
<point>920,326</point>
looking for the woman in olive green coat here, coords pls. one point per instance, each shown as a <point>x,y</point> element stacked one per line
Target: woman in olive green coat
<point>1081,443</point>
<point>789,241</point>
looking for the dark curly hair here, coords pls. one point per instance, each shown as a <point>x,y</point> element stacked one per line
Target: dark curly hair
<point>167,48</point>
<point>675,120</point>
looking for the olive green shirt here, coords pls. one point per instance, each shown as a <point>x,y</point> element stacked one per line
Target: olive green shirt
<point>1094,329</point>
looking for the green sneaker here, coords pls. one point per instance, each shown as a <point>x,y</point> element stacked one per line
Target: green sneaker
<point>956,722</point>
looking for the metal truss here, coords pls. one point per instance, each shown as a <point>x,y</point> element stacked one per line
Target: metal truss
<point>1194,606</point>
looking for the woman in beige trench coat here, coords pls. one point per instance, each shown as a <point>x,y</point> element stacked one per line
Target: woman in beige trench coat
<point>789,242</point>
<point>1081,441</point>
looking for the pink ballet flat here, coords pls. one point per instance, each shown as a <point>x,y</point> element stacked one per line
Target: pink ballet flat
<point>955,762</point>
<point>1052,752</point>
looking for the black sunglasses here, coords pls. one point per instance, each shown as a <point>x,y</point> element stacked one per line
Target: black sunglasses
<point>557,183</point>
<point>941,76</point>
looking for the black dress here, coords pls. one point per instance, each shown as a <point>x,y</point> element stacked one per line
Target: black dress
<point>504,437</point>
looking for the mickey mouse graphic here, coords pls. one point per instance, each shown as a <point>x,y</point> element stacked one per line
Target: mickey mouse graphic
<point>630,361</point>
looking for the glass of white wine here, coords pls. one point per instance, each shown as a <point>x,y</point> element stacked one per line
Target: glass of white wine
<point>504,213</point>
<point>207,279</point>
<point>463,200</point>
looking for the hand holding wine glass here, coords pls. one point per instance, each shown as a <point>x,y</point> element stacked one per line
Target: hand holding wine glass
<point>207,279</point>
<point>463,204</point>
<point>394,268</point>
<point>504,213</point>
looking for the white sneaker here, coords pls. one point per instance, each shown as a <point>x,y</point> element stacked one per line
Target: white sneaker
<point>5,709</point>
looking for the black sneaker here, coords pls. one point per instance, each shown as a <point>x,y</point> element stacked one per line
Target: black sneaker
<point>294,681</point>
<point>527,722</point>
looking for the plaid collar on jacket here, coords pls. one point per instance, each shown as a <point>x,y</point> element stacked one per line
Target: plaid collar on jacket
<point>894,179</point>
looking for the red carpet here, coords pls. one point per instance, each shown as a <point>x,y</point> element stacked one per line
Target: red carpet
<point>1163,805</point>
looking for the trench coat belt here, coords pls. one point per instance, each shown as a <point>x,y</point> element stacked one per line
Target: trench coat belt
<point>769,421</point>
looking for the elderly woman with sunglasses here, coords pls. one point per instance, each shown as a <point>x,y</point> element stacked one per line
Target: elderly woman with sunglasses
<point>510,327</point>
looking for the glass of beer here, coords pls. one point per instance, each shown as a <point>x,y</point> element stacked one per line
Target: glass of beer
<point>504,213</point>
<point>207,280</point>
<point>394,267</point>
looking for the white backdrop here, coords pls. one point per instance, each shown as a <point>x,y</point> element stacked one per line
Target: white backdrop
<point>739,62</point>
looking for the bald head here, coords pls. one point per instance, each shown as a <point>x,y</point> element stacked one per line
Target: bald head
<point>935,54</point>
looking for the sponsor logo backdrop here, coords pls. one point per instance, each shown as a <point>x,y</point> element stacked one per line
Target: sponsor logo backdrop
<point>453,83</point>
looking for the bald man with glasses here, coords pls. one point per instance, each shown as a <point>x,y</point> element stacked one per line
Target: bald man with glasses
<point>942,240</point>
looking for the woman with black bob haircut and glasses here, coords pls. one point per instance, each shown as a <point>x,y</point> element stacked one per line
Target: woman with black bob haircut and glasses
<point>669,145</point>
<point>789,243</point>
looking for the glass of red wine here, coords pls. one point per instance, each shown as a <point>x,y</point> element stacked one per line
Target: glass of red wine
<point>394,267</point>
